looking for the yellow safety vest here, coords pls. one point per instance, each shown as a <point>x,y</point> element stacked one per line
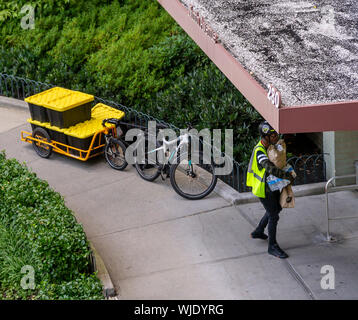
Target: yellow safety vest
<point>255,177</point>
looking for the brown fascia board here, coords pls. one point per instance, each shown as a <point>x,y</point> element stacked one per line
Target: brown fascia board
<point>340,116</point>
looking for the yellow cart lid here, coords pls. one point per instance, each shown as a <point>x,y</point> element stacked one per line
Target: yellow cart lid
<point>81,130</point>
<point>86,129</point>
<point>45,125</point>
<point>102,111</point>
<point>60,99</point>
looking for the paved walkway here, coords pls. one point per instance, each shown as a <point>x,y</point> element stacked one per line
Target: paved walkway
<point>157,245</point>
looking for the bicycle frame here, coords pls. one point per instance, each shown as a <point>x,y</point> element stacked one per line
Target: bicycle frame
<point>184,140</point>
<point>151,169</point>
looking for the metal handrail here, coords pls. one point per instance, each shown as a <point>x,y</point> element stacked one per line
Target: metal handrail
<point>335,189</point>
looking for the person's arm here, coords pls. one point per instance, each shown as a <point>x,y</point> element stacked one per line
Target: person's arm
<point>264,162</point>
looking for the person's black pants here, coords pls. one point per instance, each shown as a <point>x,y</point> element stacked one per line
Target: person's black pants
<point>272,205</point>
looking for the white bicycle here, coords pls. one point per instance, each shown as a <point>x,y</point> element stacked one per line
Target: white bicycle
<point>192,175</point>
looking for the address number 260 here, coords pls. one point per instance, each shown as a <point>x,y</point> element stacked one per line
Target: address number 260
<point>274,96</point>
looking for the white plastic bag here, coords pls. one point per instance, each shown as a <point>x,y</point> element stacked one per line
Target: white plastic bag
<point>275,183</point>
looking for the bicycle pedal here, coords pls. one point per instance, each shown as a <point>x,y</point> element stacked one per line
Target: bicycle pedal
<point>162,176</point>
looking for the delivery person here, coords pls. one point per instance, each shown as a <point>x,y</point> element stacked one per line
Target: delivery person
<point>259,168</point>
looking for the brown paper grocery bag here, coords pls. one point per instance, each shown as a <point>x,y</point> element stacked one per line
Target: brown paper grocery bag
<point>287,199</point>
<point>277,154</point>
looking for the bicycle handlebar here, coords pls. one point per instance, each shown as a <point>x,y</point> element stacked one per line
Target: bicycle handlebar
<point>110,120</point>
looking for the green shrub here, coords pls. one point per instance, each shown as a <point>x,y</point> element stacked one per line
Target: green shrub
<point>37,229</point>
<point>123,50</point>
<point>14,254</point>
<point>131,52</point>
<point>207,99</point>
<point>108,48</point>
<point>84,287</point>
<point>11,10</point>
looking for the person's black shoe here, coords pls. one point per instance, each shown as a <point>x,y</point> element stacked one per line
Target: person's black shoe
<point>276,251</point>
<point>258,235</point>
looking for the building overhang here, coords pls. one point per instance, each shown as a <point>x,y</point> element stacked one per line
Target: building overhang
<point>330,116</point>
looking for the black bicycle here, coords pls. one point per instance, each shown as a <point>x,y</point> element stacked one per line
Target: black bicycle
<point>115,149</point>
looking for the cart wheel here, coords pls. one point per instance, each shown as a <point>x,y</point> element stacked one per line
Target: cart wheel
<point>43,150</point>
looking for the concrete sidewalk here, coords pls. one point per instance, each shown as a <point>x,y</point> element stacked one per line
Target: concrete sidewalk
<point>157,245</point>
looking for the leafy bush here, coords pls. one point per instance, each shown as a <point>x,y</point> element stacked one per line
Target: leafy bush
<point>84,287</point>
<point>134,53</point>
<point>12,9</point>
<point>207,99</point>
<point>37,229</point>
<point>108,49</point>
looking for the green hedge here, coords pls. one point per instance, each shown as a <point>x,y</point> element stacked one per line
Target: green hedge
<point>37,229</point>
<point>107,48</point>
<point>131,52</point>
<point>207,99</point>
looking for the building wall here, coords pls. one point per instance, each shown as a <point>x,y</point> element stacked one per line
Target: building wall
<point>344,148</point>
<point>329,153</point>
<point>346,152</point>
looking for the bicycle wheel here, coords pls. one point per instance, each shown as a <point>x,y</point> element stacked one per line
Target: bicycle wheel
<point>114,153</point>
<point>150,170</point>
<point>193,180</point>
<point>42,149</point>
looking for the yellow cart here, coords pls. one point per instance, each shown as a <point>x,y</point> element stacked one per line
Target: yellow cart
<point>82,141</point>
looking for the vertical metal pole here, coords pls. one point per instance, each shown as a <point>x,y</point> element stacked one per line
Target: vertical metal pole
<point>329,238</point>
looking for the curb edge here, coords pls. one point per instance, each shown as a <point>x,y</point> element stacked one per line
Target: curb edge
<point>102,274</point>
<point>236,198</point>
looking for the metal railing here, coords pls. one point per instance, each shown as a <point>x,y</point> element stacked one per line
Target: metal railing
<point>309,168</point>
<point>329,189</point>
<point>20,88</point>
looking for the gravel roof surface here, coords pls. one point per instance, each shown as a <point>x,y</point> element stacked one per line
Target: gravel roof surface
<point>307,49</point>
